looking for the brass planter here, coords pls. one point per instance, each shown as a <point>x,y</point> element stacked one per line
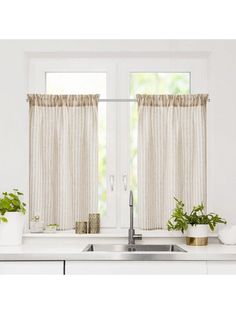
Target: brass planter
<point>197,235</point>
<point>196,241</point>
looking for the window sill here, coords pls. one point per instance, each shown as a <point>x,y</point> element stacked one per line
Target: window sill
<point>110,234</point>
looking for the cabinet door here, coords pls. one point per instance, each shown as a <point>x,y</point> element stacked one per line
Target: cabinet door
<point>221,267</point>
<point>31,268</point>
<point>135,267</point>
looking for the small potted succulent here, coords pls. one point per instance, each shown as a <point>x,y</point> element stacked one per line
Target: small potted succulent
<point>195,224</point>
<point>12,214</point>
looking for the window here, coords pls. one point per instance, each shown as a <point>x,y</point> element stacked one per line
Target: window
<point>150,83</point>
<point>117,78</point>
<point>87,83</point>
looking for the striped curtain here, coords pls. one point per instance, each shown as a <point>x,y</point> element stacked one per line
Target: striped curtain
<point>171,155</point>
<point>63,158</point>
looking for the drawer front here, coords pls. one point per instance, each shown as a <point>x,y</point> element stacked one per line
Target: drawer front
<point>31,267</point>
<point>135,267</point>
<point>221,267</point>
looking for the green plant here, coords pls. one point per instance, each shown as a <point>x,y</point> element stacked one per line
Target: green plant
<point>10,202</point>
<point>180,219</point>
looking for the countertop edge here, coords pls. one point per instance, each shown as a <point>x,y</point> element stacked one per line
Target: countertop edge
<point>117,257</point>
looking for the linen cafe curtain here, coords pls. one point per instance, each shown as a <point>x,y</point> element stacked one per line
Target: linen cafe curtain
<point>171,155</point>
<point>63,157</point>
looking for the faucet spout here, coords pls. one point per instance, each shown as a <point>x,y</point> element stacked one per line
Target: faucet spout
<point>131,235</point>
<point>131,199</point>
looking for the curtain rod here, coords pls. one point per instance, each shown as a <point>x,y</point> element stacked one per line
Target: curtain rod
<point>125,100</point>
<point>120,100</point>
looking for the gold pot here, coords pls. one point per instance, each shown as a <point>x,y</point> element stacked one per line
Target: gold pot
<point>197,241</point>
<point>197,235</point>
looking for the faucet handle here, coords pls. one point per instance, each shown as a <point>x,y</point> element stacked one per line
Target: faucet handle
<point>138,236</point>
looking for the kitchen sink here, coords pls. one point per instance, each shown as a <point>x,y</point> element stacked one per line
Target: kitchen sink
<point>133,248</point>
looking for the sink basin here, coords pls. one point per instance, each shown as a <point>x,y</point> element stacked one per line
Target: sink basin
<point>133,248</point>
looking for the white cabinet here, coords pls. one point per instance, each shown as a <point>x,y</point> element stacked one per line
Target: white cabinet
<point>135,267</point>
<point>221,267</point>
<point>31,268</point>
<point>117,267</point>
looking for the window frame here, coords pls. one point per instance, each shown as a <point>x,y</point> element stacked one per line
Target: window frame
<point>197,67</point>
<point>38,68</point>
<point>118,114</point>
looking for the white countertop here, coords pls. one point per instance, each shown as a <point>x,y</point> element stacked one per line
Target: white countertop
<point>42,252</point>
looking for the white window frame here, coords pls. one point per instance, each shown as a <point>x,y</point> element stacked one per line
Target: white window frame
<point>118,114</point>
<point>37,84</point>
<point>197,67</point>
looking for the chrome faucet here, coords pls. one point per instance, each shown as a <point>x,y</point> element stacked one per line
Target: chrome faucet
<point>132,236</point>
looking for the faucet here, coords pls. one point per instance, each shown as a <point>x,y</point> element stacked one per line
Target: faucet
<point>132,236</point>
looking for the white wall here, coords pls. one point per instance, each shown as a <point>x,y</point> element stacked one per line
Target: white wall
<point>221,58</point>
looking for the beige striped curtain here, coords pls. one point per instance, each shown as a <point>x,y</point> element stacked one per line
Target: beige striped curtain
<point>171,155</point>
<point>63,158</point>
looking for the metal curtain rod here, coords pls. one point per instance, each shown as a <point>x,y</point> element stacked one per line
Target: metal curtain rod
<point>120,100</point>
<point>124,100</point>
<point>117,100</point>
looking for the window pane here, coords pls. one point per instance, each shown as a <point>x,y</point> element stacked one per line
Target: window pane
<point>150,83</point>
<point>76,83</point>
<point>87,83</point>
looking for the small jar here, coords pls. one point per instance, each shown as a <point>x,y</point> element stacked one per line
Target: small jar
<point>52,228</point>
<point>94,223</point>
<point>36,226</point>
<point>81,227</point>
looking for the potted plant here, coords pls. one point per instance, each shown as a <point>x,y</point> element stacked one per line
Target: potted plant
<point>12,211</point>
<point>194,224</point>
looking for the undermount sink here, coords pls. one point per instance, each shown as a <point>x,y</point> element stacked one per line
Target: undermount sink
<point>133,248</point>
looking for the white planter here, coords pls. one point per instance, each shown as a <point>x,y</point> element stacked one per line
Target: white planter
<point>197,231</point>
<point>197,235</point>
<point>227,235</point>
<point>11,231</point>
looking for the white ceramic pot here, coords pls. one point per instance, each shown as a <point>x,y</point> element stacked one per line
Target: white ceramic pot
<point>11,231</point>
<point>197,231</point>
<point>197,235</point>
<point>227,235</point>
